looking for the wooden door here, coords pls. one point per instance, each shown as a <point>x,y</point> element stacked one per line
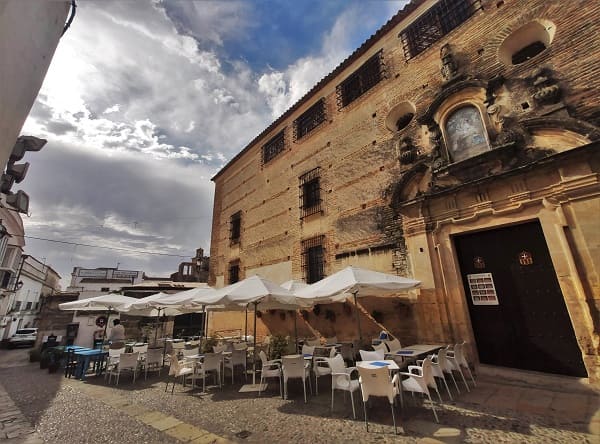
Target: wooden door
<point>517,309</point>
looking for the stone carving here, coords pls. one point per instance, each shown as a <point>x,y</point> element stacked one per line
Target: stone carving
<point>438,160</point>
<point>495,115</point>
<point>449,68</point>
<point>546,89</point>
<point>408,151</point>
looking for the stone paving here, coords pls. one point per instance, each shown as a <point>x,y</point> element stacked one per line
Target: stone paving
<point>37,407</point>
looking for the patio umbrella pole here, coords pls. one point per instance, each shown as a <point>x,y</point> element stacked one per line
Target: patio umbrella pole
<point>246,326</point>
<point>156,329</point>
<point>106,325</point>
<point>360,338</point>
<point>296,329</point>
<point>254,351</point>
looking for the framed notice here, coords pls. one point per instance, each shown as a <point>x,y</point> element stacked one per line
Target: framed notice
<point>483,291</point>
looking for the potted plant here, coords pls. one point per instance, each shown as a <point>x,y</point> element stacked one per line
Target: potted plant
<point>55,358</point>
<point>279,345</point>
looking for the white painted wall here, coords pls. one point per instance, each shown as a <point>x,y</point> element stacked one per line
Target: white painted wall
<point>29,35</point>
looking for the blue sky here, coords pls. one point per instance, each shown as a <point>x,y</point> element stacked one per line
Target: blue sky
<point>146,100</point>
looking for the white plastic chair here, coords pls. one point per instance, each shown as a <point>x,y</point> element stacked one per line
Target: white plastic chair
<point>240,346</point>
<point>417,381</point>
<point>313,342</point>
<point>113,359</point>
<point>178,369</point>
<point>294,367</point>
<point>237,358</point>
<point>140,348</point>
<point>381,346</point>
<point>436,370</point>
<point>393,345</point>
<point>153,361</point>
<point>219,348</point>
<point>188,352</point>
<point>332,340</point>
<point>459,361</point>
<point>210,364</point>
<point>308,350</point>
<point>430,374</point>
<point>320,364</point>
<point>455,365</point>
<point>127,362</point>
<point>270,369</point>
<point>341,379</point>
<point>377,382</point>
<point>446,366</point>
<point>376,355</point>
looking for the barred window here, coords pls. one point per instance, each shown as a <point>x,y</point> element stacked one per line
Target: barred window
<point>273,147</point>
<point>360,81</point>
<point>309,120</point>
<point>313,259</point>
<point>310,193</point>
<point>235,227</point>
<point>438,21</point>
<point>234,272</point>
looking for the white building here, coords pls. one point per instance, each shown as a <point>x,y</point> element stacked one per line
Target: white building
<point>34,282</point>
<point>29,35</point>
<point>90,282</point>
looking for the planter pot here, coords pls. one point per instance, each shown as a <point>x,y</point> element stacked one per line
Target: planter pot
<point>44,362</point>
<point>53,367</point>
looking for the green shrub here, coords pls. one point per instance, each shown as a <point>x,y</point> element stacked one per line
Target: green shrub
<point>279,346</point>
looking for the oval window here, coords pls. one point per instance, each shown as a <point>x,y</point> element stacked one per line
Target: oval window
<point>400,116</point>
<point>465,134</point>
<point>526,42</point>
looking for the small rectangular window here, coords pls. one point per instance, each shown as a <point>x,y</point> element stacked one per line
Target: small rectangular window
<point>360,81</point>
<point>309,120</point>
<point>438,21</point>
<point>235,227</point>
<point>234,272</point>
<point>106,289</point>
<point>310,193</point>
<point>17,306</point>
<point>273,147</point>
<point>28,305</point>
<point>313,259</point>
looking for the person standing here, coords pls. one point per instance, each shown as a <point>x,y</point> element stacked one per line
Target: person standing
<point>117,333</point>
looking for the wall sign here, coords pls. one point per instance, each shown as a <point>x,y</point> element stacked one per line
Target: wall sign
<point>483,291</point>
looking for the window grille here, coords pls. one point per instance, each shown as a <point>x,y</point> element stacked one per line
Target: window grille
<point>273,147</point>
<point>360,81</point>
<point>235,227</point>
<point>313,259</point>
<point>234,272</point>
<point>310,193</point>
<point>438,21</point>
<point>309,120</point>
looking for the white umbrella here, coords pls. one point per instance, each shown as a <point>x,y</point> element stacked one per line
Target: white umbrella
<point>294,285</point>
<point>109,302</point>
<point>257,291</point>
<point>354,281</point>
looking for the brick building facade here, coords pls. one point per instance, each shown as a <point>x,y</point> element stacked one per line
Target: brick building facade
<point>459,146</point>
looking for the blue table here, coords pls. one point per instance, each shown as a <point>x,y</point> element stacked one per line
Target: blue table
<point>87,356</point>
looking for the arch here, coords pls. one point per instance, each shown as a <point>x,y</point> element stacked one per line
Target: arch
<point>526,42</point>
<point>400,116</point>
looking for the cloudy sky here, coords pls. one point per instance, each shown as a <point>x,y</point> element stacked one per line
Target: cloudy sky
<point>146,100</point>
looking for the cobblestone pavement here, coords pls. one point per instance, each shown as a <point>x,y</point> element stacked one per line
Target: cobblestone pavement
<point>38,407</point>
